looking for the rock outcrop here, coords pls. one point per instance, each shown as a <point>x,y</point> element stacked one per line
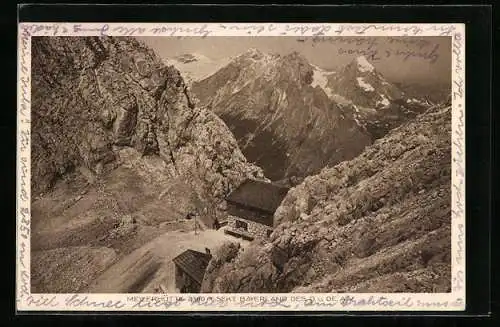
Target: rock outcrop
<point>377,223</point>
<point>95,97</point>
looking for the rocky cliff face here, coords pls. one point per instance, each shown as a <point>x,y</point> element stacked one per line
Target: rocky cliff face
<point>377,223</point>
<point>282,122</point>
<point>96,98</point>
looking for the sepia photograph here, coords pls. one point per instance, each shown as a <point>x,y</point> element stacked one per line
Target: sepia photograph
<point>241,164</point>
<point>238,164</point>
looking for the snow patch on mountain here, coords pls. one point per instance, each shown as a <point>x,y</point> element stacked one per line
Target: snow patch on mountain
<point>253,53</point>
<point>356,117</point>
<point>384,102</point>
<point>364,85</point>
<point>320,78</point>
<point>417,101</point>
<point>254,56</point>
<point>340,99</point>
<point>363,65</point>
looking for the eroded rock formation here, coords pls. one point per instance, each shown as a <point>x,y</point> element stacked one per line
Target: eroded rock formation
<point>93,97</point>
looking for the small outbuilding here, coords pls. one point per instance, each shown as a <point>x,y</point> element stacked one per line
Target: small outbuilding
<point>190,267</point>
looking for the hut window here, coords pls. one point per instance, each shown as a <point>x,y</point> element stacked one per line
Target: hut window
<point>241,224</point>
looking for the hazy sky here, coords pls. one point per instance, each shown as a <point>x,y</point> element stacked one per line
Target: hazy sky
<point>428,59</point>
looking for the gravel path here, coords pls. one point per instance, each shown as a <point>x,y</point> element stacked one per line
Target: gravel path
<point>150,266</point>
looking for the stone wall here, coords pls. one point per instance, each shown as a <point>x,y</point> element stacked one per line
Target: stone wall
<point>249,214</point>
<point>256,229</point>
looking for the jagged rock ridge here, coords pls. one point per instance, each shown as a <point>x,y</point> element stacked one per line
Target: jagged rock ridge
<point>377,223</point>
<point>93,97</point>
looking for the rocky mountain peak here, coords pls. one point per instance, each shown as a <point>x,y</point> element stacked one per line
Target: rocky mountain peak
<point>360,66</point>
<point>377,104</point>
<point>273,106</point>
<point>295,59</point>
<point>294,55</point>
<point>252,53</point>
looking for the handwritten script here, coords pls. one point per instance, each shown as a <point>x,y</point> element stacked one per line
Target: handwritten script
<point>204,30</point>
<point>414,48</point>
<point>209,302</point>
<point>373,49</point>
<point>458,141</point>
<point>420,49</point>
<point>23,186</point>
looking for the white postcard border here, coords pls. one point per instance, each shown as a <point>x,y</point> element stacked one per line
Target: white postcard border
<point>325,302</point>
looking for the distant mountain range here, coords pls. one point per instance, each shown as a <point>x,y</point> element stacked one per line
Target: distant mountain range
<point>293,118</point>
<point>282,122</point>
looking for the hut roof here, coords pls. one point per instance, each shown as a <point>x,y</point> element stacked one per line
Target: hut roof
<point>258,195</point>
<point>193,263</point>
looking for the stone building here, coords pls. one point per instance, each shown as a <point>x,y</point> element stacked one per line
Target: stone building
<point>190,269</point>
<point>251,208</point>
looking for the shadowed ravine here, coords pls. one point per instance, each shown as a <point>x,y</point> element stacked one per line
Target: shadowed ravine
<point>261,147</point>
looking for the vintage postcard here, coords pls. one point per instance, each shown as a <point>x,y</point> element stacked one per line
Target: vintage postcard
<point>241,167</point>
